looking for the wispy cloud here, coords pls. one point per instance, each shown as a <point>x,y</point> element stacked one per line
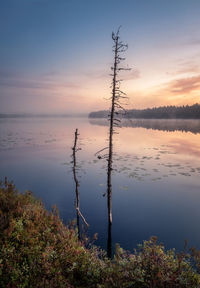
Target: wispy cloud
<point>180,91</point>
<point>184,85</point>
<point>100,74</point>
<point>133,74</point>
<point>45,82</point>
<point>188,67</point>
<point>193,41</point>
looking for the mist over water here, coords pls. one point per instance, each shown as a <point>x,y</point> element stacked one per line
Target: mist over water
<point>183,125</point>
<point>156,189</point>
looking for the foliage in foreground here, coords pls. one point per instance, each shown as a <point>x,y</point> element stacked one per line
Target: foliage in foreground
<point>38,250</point>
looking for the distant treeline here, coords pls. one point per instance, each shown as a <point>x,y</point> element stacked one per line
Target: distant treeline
<point>165,112</point>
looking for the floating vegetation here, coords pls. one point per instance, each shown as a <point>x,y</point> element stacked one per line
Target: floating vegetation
<point>150,166</point>
<point>101,184</point>
<point>50,140</point>
<point>153,162</point>
<point>184,174</point>
<point>136,165</point>
<point>133,175</point>
<point>156,179</point>
<point>123,187</point>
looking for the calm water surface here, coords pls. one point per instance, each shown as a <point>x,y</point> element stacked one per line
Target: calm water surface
<point>156,181</point>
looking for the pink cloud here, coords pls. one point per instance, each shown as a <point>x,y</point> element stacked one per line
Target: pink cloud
<point>184,85</point>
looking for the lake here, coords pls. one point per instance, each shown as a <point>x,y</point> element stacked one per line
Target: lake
<point>156,177</point>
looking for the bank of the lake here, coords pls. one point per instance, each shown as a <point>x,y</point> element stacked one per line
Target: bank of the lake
<point>38,250</point>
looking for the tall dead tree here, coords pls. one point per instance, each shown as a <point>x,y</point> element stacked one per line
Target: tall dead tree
<point>114,120</point>
<point>114,117</point>
<point>78,213</point>
<point>116,108</point>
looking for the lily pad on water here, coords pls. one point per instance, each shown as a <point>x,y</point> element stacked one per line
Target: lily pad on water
<point>185,174</point>
<point>124,187</point>
<point>133,175</point>
<point>156,179</point>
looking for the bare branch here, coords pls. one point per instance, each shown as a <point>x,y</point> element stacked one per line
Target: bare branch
<point>100,151</point>
<point>80,214</point>
<point>75,149</point>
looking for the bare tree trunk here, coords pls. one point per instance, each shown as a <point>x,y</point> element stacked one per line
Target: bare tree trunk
<point>74,149</point>
<point>78,213</point>
<point>117,95</point>
<point>109,240</point>
<point>114,121</point>
<point>110,155</point>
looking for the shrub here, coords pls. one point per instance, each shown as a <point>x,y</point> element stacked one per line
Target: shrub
<point>38,250</point>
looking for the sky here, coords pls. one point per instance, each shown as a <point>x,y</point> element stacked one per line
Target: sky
<point>55,55</point>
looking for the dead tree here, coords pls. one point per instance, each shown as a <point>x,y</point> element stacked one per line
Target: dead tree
<point>116,108</point>
<point>78,213</point>
<point>117,98</point>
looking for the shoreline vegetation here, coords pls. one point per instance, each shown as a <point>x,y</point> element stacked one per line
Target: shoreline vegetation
<point>38,250</point>
<point>164,112</point>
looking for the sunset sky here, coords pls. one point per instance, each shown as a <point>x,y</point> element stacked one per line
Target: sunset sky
<point>55,55</point>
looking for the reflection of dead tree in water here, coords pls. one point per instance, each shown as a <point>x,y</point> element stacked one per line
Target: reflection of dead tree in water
<point>109,240</point>
<point>78,213</point>
<point>114,121</point>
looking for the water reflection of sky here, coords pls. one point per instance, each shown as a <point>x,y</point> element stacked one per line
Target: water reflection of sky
<point>155,182</point>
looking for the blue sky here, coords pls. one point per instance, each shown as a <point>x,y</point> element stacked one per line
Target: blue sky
<point>55,54</point>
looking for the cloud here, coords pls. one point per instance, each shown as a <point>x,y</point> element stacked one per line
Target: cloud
<point>188,67</point>
<point>182,91</point>
<point>35,84</point>
<point>125,75</point>
<point>192,41</point>
<point>133,74</point>
<point>98,74</point>
<point>7,74</point>
<point>184,85</point>
<point>45,82</point>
